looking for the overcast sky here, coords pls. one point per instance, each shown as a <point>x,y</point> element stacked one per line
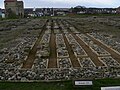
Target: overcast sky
<point>68,3</point>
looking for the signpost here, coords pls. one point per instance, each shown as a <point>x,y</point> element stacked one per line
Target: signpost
<point>83,83</point>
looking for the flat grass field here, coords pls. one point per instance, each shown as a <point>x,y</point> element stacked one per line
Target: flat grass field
<point>67,85</point>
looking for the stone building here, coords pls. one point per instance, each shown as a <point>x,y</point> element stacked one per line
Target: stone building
<point>14,7</point>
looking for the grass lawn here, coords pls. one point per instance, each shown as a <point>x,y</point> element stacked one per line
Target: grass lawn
<point>68,85</point>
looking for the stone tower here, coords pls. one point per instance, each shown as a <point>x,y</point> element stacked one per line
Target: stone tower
<point>15,7</point>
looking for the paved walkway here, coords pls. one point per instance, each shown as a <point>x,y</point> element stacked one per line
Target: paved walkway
<point>31,57</point>
<point>53,54</point>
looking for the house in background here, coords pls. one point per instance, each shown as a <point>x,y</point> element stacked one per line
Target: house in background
<point>118,10</point>
<point>0,12</point>
<point>84,10</point>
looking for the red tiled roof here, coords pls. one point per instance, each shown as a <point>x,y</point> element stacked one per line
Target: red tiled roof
<point>10,0</point>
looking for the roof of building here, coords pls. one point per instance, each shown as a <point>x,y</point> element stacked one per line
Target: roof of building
<point>20,2</point>
<point>10,0</point>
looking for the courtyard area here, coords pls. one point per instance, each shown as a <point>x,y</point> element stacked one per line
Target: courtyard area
<point>59,49</point>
